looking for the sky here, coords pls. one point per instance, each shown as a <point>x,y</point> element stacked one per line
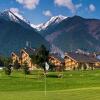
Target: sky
<point>39,11</point>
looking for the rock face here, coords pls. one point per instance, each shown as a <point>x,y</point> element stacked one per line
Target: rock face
<point>74,33</point>
<point>14,32</point>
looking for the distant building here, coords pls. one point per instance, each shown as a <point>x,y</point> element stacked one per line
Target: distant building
<point>57,61</point>
<point>15,56</point>
<point>78,60</point>
<point>24,56</point>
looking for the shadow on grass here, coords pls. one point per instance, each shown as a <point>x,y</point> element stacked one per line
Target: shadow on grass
<point>26,77</point>
<point>52,76</point>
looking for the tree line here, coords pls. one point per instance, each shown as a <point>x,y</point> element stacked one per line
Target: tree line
<point>39,58</point>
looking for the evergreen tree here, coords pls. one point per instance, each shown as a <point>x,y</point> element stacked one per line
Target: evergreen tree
<point>1,61</point>
<point>26,68</point>
<point>8,66</point>
<point>16,65</point>
<point>42,56</point>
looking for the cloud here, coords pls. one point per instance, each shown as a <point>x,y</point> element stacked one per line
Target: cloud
<point>29,4</point>
<point>66,3</point>
<point>16,12</point>
<point>78,5</point>
<point>47,13</point>
<point>92,8</point>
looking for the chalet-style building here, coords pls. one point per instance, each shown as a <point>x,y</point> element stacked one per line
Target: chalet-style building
<point>56,60</point>
<point>78,60</point>
<point>15,56</point>
<point>98,57</point>
<point>24,56</point>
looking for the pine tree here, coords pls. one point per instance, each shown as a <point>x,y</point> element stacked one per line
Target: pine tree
<point>16,65</point>
<point>26,68</point>
<point>8,66</point>
<point>42,56</point>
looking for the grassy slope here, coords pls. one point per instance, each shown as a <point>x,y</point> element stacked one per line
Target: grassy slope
<point>74,86</point>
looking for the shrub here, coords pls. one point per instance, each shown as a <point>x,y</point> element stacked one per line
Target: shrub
<point>26,68</point>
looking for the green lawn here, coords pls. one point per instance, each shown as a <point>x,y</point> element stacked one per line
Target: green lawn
<point>75,85</point>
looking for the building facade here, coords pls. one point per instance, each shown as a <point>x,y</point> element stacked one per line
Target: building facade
<point>78,60</point>
<point>23,57</point>
<point>57,61</point>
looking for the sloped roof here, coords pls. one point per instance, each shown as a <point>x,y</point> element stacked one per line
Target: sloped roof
<point>30,51</point>
<point>82,57</point>
<point>17,54</point>
<point>57,57</point>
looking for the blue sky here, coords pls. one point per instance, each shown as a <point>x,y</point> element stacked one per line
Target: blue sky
<point>39,11</point>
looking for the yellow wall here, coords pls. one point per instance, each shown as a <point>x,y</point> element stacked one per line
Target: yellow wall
<point>55,61</point>
<point>70,64</point>
<point>24,58</point>
<point>14,57</point>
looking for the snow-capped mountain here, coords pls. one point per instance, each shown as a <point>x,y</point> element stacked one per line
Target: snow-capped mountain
<point>14,33</point>
<point>52,21</point>
<point>74,33</point>
<point>10,16</point>
<point>38,27</point>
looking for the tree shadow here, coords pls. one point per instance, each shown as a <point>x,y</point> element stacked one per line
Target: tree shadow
<point>24,77</point>
<point>52,76</point>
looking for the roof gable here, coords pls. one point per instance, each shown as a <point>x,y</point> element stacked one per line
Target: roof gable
<point>29,51</point>
<point>82,57</point>
<point>57,57</point>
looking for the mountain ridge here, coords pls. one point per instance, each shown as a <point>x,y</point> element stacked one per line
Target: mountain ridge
<point>52,20</point>
<point>13,35</point>
<point>74,33</point>
<point>64,33</point>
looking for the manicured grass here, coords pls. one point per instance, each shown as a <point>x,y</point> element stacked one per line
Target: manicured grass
<point>80,94</point>
<point>75,85</point>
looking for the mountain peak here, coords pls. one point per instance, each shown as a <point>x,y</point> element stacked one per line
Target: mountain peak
<point>77,17</point>
<point>11,16</point>
<point>7,12</point>
<point>14,33</point>
<point>57,19</point>
<point>52,21</point>
<point>8,15</point>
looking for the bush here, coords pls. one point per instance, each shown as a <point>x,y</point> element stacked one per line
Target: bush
<point>7,70</point>
<point>16,65</point>
<point>52,67</point>
<point>26,69</point>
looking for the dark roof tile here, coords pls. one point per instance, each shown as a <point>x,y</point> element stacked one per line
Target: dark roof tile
<point>82,57</point>
<point>58,57</point>
<point>30,51</point>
